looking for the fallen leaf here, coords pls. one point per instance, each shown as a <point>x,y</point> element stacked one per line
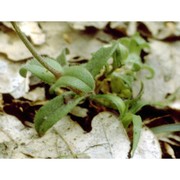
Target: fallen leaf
<point>32,30</point>
<point>161,30</point>
<point>10,79</point>
<point>148,146</point>
<point>164,59</point>
<point>129,28</point>
<point>13,137</point>
<point>38,94</point>
<point>58,36</point>
<point>83,25</point>
<point>108,139</point>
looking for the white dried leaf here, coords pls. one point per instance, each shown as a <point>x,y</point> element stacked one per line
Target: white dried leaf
<point>164,59</point>
<point>170,138</point>
<point>129,28</point>
<point>79,111</point>
<point>32,30</point>
<point>158,29</point>
<point>38,94</point>
<point>10,79</point>
<point>177,31</point>
<point>58,35</point>
<point>83,25</point>
<point>13,137</point>
<point>148,146</point>
<point>175,105</point>
<point>12,46</point>
<point>169,150</point>
<point>14,129</point>
<point>107,139</point>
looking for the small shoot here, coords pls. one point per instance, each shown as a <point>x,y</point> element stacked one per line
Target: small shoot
<point>101,81</point>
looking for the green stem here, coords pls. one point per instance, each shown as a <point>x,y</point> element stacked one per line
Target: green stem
<point>33,51</point>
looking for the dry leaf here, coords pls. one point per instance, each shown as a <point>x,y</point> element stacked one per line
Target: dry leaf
<point>10,79</point>
<point>148,146</point>
<point>83,25</point>
<point>164,59</point>
<point>32,30</point>
<point>107,139</point>
<point>38,94</point>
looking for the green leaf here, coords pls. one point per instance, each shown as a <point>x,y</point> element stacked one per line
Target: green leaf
<point>134,48</point>
<point>112,101</point>
<point>140,41</point>
<point>137,105</point>
<point>127,119</point>
<point>137,126</point>
<point>166,128</point>
<point>62,57</point>
<point>135,44</point>
<point>71,83</point>
<point>81,73</point>
<point>39,71</point>
<point>100,58</point>
<point>54,110</point>
<point>125,41</point>
<point>134,62</point>
<point>119,56</point>
<point>77,78</point>
<point>121,84</point>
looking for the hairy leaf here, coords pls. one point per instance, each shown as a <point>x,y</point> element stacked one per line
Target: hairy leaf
<point>127,119</point>
<point>137,126</point>
<point>119,56</point>
<point>62,57</point>
<point>54,110</point>
<point>112,101</point>
<point>41,72</point>
<point>76,78</point>
<point>100,58</point>
<point>71,83</point>
<point>121,83</point>
<point>81,73</point>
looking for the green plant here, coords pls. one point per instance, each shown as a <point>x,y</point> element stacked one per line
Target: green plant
<point>100,81</point>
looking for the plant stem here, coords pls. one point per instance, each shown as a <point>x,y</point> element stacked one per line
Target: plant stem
<point>33,51</point>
